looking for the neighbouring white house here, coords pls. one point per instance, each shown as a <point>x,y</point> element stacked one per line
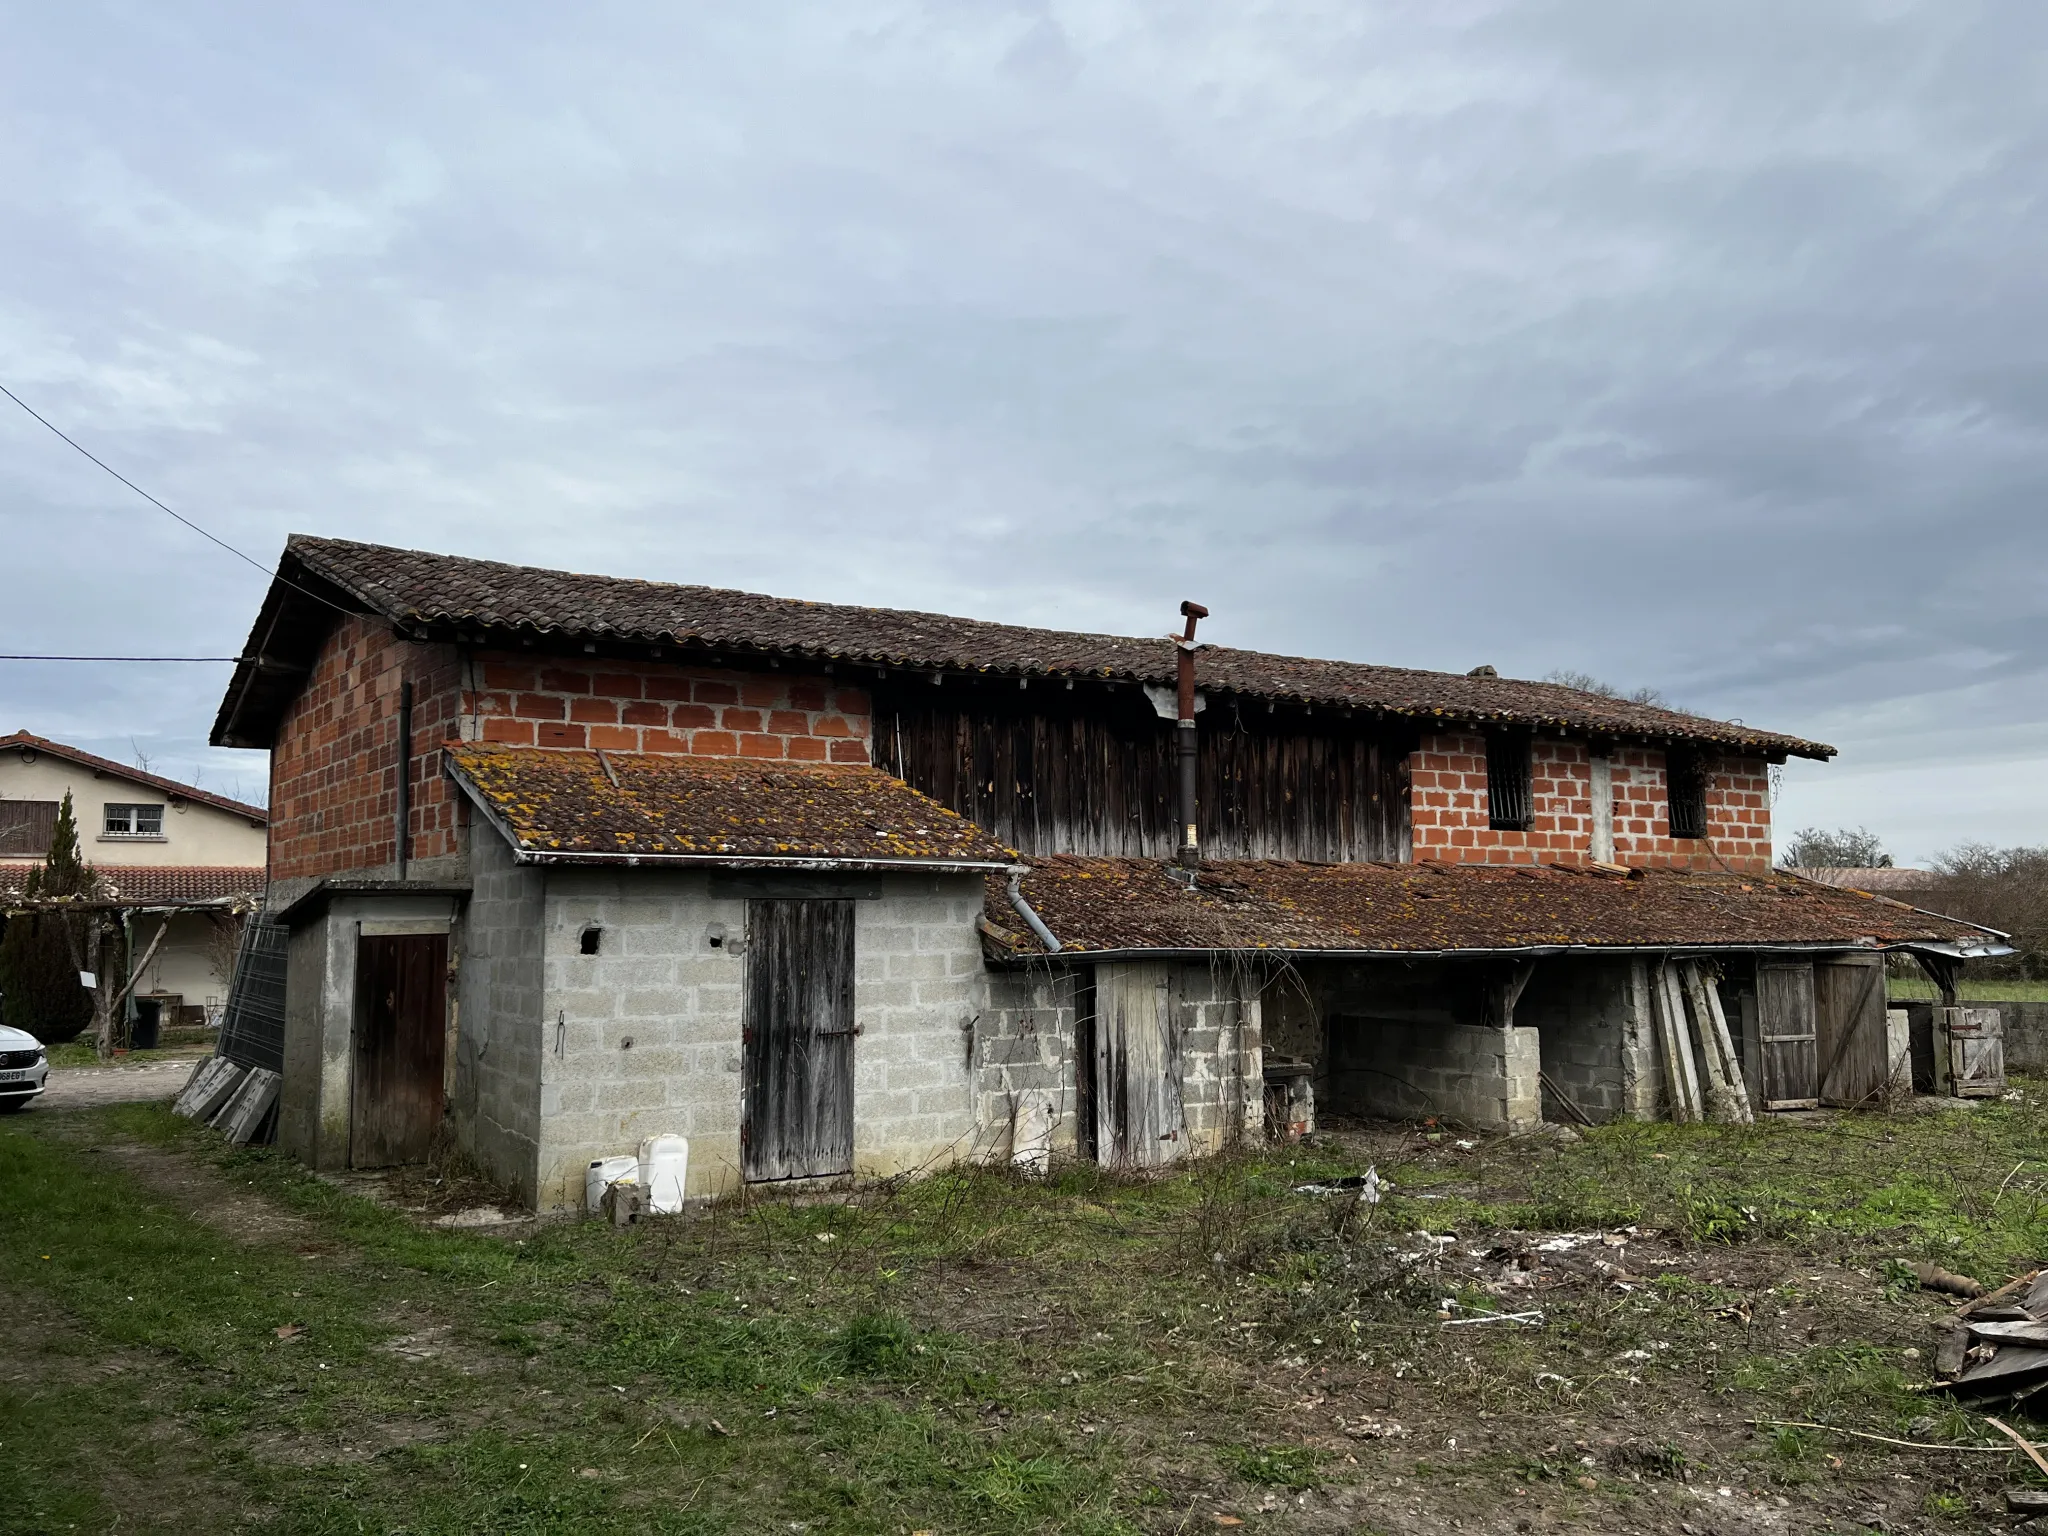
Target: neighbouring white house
<point>178,857</point>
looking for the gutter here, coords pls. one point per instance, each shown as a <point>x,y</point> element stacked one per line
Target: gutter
<point>1512,952</point>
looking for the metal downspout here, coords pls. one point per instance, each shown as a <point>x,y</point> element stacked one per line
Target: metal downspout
<point>1031,918</point>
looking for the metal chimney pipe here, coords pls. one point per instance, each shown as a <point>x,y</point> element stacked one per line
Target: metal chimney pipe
<point>1190,841</point>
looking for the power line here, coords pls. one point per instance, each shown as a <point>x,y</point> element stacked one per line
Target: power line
<point>138,490</point>
<point>116,658</point>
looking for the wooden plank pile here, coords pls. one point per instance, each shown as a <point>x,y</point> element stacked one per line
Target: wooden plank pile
<point>236,1101</point>
<point>1997,1347</point>
<point>1709,1085</point>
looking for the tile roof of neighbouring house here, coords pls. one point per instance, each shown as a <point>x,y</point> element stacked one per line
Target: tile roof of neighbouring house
<point>1126,905</point>
<point>509,604</point>
<point>1882,881</point>
<point>24,741</point>
<point>169,885</point>
<point>589,807</point>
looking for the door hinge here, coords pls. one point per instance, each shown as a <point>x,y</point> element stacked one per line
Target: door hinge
<point>834,1034</point>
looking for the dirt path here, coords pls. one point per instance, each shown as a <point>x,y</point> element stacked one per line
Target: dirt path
<point>89,1087</point>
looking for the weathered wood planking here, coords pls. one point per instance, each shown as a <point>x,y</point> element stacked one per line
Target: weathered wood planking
<point>797,1037</point>
<point>1058,779</point>
<point>400,1045</point>
<point>1139,1118</point>
<point>1848,1024</point>
<point>1785,1035</point>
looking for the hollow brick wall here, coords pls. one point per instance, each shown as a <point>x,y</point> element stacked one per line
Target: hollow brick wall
<point>334,767</point>
<point>651,707</point>
<point>1448,809</point>
<point>334,761</point>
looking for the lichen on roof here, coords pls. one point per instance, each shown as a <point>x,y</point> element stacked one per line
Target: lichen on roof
<point>564,802</point>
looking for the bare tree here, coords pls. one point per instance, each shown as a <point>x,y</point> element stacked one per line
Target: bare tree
<point>2002,888</point>
<point>1585,682</point>
<point>1843,848</point>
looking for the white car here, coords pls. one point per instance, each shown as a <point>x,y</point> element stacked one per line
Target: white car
<point>24,1068</point>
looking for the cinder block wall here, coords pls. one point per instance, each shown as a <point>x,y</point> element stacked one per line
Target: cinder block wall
<point>658,982</point>
<point>1222,1056</point>
<point>501,1025</point>
<point>1023,1056</point>
<point>1595,1043</point>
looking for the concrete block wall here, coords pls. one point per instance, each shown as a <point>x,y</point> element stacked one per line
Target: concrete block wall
<point>1222,1079</point>
<point>659,983</point>
<point>1594,1043</point>
<point>501,1022</point>
<point>1023,1055</point>
<point>1449,808</point>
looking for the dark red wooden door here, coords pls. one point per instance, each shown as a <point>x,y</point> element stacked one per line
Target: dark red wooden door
<point>797,1040</point>
<point>401,1043</point>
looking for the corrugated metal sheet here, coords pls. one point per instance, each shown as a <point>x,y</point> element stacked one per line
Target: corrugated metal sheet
<point>488,599</point>
<point>1137,905</point>
<point>252,1026</point>
<point>566,805</point>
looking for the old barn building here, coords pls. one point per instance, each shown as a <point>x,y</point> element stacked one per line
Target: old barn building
<point>569,860</point>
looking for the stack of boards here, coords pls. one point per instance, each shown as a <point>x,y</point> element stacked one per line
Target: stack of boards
<point>1998,1346</point>
<point>234,1100</point>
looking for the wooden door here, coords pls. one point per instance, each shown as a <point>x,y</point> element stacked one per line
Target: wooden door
<point>1976,1052</point>
<point>401,1043</point>
<point>1848,1023</point>
<point>1789,1072</point>
<point>1139,1120</point>
<point>797,1041</point>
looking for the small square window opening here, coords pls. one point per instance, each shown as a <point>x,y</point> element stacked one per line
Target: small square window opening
<point>590,940</point>
<point>1507,782</point>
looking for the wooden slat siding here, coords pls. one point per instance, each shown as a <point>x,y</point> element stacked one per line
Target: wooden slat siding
<point>1848,1025</point>
<point>1976,1038</point>
<point>797,1040</point>
<point>401,1007</point>
<point>1062,779</point>
<point>1785,1035</point>
<point>1139,1120</point>
<point>1086,1121</point>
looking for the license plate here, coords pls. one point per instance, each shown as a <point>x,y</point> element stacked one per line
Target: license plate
<point>13,1077</point>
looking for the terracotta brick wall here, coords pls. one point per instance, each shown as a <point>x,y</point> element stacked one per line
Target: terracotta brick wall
<point>334,768</point>
<point>649,707</point>
<point>1448,809</point>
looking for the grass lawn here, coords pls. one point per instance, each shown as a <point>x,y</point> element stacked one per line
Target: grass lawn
<point>1920,989</point>
<point>199,1339</point>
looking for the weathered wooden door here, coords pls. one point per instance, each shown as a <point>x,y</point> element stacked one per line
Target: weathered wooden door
<point>1139,1121</point>
<point>1785,1035</point>
<point>1848,1026</point>
<point>401,1042</point>
<point>797,1040</point>
<point>1975,1052</point>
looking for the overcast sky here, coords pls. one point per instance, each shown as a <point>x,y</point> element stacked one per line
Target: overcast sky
<point>1691,345</point>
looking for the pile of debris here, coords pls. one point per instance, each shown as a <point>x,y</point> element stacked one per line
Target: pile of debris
<point>1997,1346</point>
<point>239,1102</point>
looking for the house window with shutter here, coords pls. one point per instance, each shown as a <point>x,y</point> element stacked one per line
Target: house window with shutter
<point>25,827</point>
<point>1685,781</point>
<point>1507,782</point>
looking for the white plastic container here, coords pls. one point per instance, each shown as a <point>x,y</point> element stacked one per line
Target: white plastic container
<point>602,1173</point>
<point>665,1171</point>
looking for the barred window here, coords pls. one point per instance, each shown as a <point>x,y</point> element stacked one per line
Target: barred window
<point>1685,781</point>
<point>133,821</point>
<point>1507,782</point>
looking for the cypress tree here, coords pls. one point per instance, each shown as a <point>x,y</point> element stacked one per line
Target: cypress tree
<point>38,968</point>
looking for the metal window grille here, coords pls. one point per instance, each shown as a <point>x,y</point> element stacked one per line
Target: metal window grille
<point>1685,791</point>
<point>134,821</point>
<point>1507,783</point>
